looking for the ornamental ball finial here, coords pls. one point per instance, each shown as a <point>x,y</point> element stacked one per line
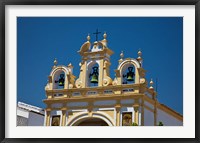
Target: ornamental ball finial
<point>55,62</point>
<point>151,84</point>
<point>88,37</point>
<point>139,58</point>
<point>104,35</point>
<point>70,65</point>
<point>122,55</point>
<point>139,53</point>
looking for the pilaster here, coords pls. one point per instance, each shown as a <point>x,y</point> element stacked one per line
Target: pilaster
<point>101,72</point>
<point>136,114</point>
<point>64,116</point>
<point>118,109</point>
<point>48,116</point>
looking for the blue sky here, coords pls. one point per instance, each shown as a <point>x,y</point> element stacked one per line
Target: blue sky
<point>41,39</point>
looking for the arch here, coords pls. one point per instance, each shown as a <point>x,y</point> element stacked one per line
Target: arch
<point>125,64</point>
<point>102,44</point>
<point>90,65</point>
<point>84,115</point>
<point>56,71</point>
<point>130,61</point>
<point>91,121</point>
<point>64,68</point>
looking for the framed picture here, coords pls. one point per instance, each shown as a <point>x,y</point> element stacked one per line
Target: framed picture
<point>55,121</point>
<point>39,37</point>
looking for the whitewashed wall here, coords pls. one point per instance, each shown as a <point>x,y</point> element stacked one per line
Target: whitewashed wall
<point>35,119</point>
<point>167,119</point>
<point>148,117</point>
<point>31,118</point>
<point>22,112</point>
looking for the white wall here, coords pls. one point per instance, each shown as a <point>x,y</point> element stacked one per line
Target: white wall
<point>35,119</point>
<point>31,118</point>
<point>167,119</point>
<point>148,117</point>
<point>22,112</point>
<point>22,121</point>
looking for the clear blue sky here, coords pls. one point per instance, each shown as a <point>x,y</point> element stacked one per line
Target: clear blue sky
<point>40,40</point>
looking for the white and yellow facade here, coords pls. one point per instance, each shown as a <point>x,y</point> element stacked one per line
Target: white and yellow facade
<point>111,102</point>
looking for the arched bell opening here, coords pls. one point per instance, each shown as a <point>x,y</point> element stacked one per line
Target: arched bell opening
<point>59,80</point>
<point>128,74</point>
<point>93,75</point>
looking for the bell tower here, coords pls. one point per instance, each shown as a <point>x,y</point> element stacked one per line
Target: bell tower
<point>94,99</point>
<point>95,63</point>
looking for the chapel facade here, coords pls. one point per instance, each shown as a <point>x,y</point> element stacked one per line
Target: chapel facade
<point>95,99</point>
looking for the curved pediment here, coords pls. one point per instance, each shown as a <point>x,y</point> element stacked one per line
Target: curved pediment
<point>85,47</point>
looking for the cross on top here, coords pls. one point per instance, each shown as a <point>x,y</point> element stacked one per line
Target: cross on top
<point>97,32</point>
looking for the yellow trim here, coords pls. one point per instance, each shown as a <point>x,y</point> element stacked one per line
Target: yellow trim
<point>48,118</point>
<point>117,115</point>
<point>63,118</point>
<point>136,114</point>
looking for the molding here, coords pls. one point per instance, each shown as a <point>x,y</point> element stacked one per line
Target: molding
<point>170,111</point>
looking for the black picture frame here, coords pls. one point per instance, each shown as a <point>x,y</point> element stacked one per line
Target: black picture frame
<point>196,3</point>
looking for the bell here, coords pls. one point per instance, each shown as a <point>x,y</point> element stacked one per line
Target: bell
<point>61,80</point>
<point>94,75</point>
<point>130,74</point>
<point>130,78</point>
<point>94,79</point>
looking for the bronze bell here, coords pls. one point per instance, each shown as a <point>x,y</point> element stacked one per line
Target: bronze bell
<point>61,80</point>
<point>94,75</point>
<point>94,79</point>
<point>130,74</point>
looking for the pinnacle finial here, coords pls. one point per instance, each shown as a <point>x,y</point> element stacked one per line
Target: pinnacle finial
<point>88,37</point>
<point>151,84</point>
<point>55,62</point>
<point>104,35</point>
<point>139,58</point>
<point>70,65</point>
<point>122,55</point>
<point>139,53</point>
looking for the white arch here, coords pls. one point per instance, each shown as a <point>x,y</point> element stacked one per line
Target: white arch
<point>91,63</point>
<point>84,115</point>
<point>64,68</point>
<point>132,61</point>
<point>57,69</point>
